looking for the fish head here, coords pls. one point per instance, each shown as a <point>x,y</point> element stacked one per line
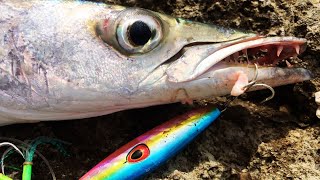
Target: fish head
<point>153,40</point>
<point>179,59</point>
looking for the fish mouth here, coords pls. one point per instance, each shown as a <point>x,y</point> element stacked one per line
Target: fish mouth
<point>266,52</point>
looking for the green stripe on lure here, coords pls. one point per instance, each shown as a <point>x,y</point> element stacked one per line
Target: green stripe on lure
<point>145,153</point>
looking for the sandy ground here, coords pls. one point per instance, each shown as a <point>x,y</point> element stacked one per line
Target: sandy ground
<point>276,140</point>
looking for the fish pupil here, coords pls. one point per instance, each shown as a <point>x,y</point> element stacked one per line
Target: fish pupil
<point>137,154</point>
<point>139,33</point>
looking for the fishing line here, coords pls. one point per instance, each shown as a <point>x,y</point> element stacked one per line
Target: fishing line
<point>14,147</point>
<point>45,140</point>
<point>30,151</point>
<point>4,155</point>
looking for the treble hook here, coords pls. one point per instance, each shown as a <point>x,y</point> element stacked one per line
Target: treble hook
<point>268,87</point>
<point>252,83</point>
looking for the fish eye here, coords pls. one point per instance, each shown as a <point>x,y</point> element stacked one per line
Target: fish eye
<point>137,31</point>
<point>138,153</point>
<point>132,31</point>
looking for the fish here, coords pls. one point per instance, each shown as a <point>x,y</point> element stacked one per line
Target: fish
<point>150,150</point>
<point>63,60</point>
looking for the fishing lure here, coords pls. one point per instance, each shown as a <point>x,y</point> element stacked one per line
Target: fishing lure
<point>145,153</point>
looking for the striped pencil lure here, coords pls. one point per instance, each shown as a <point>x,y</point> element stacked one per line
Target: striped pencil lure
<point>145,153</point>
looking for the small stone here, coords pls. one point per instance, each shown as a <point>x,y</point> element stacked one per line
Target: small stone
<point>284,109</point>
<point>317,97</point>
<point>245,176</point>
<point>318,112</point>
<point>205,175</point>
<point>255,3</point>
<point>296,134</point>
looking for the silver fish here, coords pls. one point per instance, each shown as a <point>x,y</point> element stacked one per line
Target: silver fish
<point>68,59</point>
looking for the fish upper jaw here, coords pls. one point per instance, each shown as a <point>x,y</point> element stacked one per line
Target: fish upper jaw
<point>263,51</point>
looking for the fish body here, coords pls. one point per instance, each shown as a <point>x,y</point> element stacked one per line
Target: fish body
<point>145,153</point>
<point>70,59</point>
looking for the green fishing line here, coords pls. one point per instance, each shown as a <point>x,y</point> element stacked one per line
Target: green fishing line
<point>13,168</point>
<point>45,140</point>
<point>27,165</point>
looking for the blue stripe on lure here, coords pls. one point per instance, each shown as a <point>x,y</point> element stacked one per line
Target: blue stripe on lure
<point>145,153</point>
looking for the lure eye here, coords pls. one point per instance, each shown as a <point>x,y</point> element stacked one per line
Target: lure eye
<point>138,153</point>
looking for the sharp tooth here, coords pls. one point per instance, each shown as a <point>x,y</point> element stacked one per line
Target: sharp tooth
<point>264,50</point>
<point>280,48</point>
<point>297,47</point>
<point>236,55</point>
<point>288,64</point>
<point>245,52</point>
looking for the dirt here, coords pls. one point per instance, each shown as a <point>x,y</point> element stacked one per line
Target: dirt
<point>276,140</point>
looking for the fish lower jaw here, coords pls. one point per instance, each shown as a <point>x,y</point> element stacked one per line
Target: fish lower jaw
<point>221,79</point>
